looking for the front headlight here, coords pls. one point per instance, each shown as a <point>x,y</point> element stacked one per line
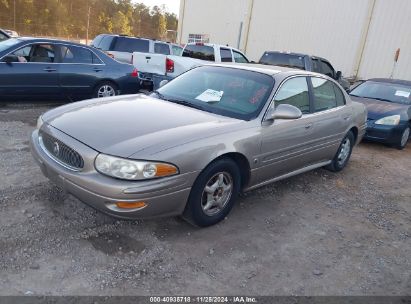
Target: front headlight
<point>39,122</point>
<point>389,120</point>
<point>132,169</point>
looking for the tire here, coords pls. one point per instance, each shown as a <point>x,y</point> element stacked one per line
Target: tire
<point>343,154</point>
<point>405,135</point>
<point>213,194</point>
<point>105,89</point>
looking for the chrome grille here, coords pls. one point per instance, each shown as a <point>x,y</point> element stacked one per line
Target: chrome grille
<point>60,152</point>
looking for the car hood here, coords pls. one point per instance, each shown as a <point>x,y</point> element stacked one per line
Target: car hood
<point>123,126</point>
<point>378,108</point>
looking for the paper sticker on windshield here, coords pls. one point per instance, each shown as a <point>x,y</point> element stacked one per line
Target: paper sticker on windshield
<point>210,95</point>
<point>403,94</point>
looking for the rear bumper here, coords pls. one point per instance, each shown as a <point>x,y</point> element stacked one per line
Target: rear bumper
<point>384,134</point>
<point>163,197</point>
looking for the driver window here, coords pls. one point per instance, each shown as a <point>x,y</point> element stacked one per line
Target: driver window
<point>294,92</point>
<point>36,53</point>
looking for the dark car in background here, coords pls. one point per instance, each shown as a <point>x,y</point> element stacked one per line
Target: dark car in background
<point>4,35</point>
<point>388,102</point>
<point>55,69</point>
<point>122,47</point>
<point>304,62</point>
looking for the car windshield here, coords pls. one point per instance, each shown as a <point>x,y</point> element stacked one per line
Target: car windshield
<point>225,91</point>
<point>4,45</point>
<point>390,92</point>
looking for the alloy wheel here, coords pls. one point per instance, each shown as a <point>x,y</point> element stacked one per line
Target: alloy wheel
<point>217,193</point>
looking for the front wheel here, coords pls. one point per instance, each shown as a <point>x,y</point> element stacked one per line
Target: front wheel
<point>343,154</point>
<point>404,138</point>
<point>105,89</point>
<point>213,193</point>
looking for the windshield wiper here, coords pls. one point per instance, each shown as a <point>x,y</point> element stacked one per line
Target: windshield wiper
<point>179,101</point>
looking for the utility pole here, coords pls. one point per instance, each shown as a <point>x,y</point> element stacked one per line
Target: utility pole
<point>14,14</point>
<point>88,23</point>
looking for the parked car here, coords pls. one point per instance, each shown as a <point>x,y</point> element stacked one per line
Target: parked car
<point>3,35</point>
<point>55,69</point>
<point>121,47</point>
<point>11,33</point>
<point>156,68</point>
<point>304,62</point>
<point>389,110</point>
<point>194,144</point>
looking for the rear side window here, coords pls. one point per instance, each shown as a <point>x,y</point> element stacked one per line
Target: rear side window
<point>177,50</point>
<point>284,60</point>
<point>130,45</point>
<point>339,96</point>
<point>97,41</point>
<point>74,54</point>
<point>225,55</point>
<point>327,69</point>
<point>162,48</point>
<point>239,58</point>
<point>324,94</point>
<point>197,51</point>
<point>106,43</point>
<point>294,92</point>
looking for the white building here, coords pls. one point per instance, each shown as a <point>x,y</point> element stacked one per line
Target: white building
<point>359,37</point>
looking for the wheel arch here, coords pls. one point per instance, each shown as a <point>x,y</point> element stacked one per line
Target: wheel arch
<point>242,163</point>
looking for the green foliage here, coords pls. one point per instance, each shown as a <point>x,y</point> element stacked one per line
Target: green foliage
<point>68,18</point>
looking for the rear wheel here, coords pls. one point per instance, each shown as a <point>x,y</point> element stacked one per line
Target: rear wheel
<point>343,154</point>
<point>404,138</point>
<point>105,89</point>
<point>213,193</point>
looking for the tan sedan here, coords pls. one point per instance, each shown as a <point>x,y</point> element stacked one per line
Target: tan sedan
<point>192,146</point>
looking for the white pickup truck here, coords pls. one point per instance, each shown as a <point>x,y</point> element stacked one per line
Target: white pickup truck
<point>153,68</point>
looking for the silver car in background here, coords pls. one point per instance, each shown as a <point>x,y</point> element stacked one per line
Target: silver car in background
<point>193,145</point>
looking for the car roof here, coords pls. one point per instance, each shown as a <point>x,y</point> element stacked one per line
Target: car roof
<point>51,40</point>
<point>265,69</point>
<point>213,45</point>
<point>295,54</point>
<point>392,81</point>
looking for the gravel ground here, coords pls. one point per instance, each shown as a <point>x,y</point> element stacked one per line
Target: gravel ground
<point>315,234</point>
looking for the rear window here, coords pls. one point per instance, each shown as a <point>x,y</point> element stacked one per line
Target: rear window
<point>97,41</point>
<point>105,43</point>
<point>161,48</point>
<point>284,60</point>
<point>198,51</point>
<point>130,45</point>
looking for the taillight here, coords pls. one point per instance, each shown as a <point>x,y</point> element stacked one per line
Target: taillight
<point>169,65</point>
<point>134,73</point>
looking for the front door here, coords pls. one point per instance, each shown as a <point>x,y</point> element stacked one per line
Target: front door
<point>33,74</point>
<point>287,144</point>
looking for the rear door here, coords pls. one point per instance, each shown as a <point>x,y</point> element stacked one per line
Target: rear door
<point>80,70</point>
<point>35,74</point>
<point>332,117</point>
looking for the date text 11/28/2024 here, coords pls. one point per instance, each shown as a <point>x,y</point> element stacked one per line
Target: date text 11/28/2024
<point>234,299</point>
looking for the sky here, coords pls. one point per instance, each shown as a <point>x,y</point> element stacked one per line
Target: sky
<point>172,5</point>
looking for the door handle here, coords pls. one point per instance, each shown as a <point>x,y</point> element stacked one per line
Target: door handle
<point>49,70</point>
<point>308,126</point>
<point>347,117</point>
<point>97,70</point>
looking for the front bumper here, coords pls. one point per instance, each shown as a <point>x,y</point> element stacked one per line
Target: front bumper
<point>384,134</point>
<point>163,197</point>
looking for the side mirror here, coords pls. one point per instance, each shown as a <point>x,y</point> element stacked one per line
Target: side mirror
<point>284,111</point>
<point>162,83</point>
<point>10,59</point>
<point>338,75</point>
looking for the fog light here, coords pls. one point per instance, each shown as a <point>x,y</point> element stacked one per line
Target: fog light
<point>131,205</point>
